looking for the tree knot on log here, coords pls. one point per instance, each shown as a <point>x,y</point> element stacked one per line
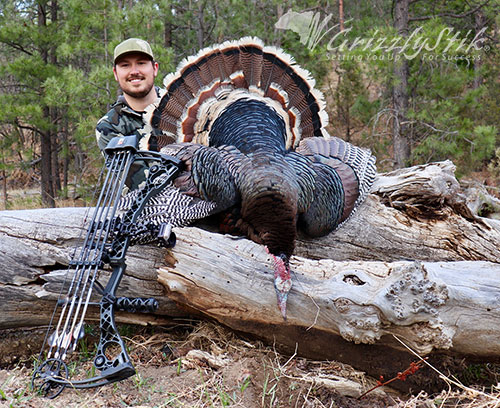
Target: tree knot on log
<point>414,294</point>
<point>353,280</point>
<point>360,323</point>
<point>429,336</point>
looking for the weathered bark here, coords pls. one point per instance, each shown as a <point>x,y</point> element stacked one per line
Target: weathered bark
<point>480,201</point>
<point>431,306</point>
<point>416,264</point>
<point>35,247</point>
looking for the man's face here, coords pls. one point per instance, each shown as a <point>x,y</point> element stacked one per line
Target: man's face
<point>135,74</point>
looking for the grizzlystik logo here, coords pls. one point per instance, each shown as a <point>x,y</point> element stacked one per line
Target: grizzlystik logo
<point>307,25</point>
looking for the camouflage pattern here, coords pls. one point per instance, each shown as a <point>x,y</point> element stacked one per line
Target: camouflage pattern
<point>122,120</point>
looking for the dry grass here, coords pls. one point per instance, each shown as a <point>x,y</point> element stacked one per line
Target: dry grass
<point>457,394</point>
<point>458,398</point>
<point>29,199</point>
<point>200,364</point>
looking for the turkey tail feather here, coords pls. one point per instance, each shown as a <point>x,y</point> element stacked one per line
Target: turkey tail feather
<point>231,71</point>
<point>251,60</point>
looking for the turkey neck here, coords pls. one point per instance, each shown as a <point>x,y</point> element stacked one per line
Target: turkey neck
<point>268,186</point>
<point>269,201</point>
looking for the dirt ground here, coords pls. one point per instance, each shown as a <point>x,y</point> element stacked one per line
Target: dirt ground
<point>200,364</point>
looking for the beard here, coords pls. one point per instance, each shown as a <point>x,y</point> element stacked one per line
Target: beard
<point>137,92</point>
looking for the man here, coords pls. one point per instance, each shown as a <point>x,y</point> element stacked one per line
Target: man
<point>135,70</point>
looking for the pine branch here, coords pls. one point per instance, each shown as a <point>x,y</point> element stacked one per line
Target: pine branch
<point>27,127</point>
<point>453,15</point>
<point>16,46</point>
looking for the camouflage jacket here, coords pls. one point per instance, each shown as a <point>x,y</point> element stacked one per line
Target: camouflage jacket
<point>122,120</point>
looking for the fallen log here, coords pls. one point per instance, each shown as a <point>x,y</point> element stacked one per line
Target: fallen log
<point>356,312</point>
<point>418,213</point>
<point>35,248</point>
<point>449,306</point>
<point>413,263</point>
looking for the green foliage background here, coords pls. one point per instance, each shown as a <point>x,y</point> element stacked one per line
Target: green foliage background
<point>57,75</point>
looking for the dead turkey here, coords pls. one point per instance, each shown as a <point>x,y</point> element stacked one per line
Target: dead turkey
<point>250,127</point>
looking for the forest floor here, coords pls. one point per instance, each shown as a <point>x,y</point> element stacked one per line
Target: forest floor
<point>203,364</point>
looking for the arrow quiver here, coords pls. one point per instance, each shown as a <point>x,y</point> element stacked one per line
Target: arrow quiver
<point>106,242</point>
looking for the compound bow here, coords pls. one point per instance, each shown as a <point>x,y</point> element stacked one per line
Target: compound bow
<point>107,239</point>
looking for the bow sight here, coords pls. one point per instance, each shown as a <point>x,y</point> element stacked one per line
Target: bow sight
<point>107,239</point>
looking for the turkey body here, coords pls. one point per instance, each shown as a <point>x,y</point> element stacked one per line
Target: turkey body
<point>265,180</point>
<point>250,127</point>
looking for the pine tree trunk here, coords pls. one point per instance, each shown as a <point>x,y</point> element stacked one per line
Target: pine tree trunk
<point>56,179</point>
<point>55,169</point>
<point>341,14</point>
<point>168,28</point>
<point>401,137</point>
<point>65,158</point>
<point>4,189</point>
<point>47,186</point>
<point>478,63</point>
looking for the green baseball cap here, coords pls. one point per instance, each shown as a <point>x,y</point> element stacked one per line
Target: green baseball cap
<point>133,45</point>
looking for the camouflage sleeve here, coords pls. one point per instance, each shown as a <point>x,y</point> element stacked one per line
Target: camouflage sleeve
<point>105,131</point>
